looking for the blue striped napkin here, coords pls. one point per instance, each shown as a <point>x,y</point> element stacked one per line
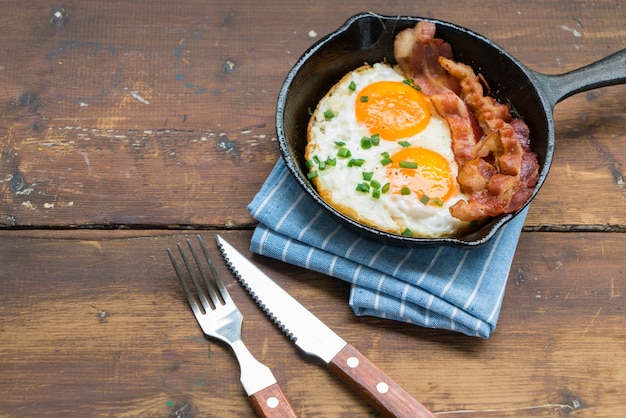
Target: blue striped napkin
<point>436,287</point>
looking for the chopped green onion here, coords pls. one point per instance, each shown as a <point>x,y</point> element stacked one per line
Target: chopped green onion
<point>312,174</point>
<point>329,114</point>
<point>407,164</point>
<point>316,159</point>
<point>386,161</point>
<point>310,163</point>
<point>331,161</point>
<point>404,144</point>
<point>322,165</point>
<point>356,162</point>
<point>367,175</point>
<point>405,191</point>
<point>376,194</point>
<point>385,188</point>
<point>366,143</point>
<point>352,86</point>
<point>425,199</point>
<point>375,139</point>
<point>437,202</point>
<point>411,82</point>
<point>344,153</point>
<point>340,143</point>
<point>407,232</point>
<point>364,99</point>
<point>375,184</point>
<point>363,187</point>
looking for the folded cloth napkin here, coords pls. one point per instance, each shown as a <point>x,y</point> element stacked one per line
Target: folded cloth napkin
<point>435,287</point>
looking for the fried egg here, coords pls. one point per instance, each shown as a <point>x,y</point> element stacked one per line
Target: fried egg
<point>379,152</point>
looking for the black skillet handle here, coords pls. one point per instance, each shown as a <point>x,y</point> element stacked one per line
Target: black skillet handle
<point>608,71</point>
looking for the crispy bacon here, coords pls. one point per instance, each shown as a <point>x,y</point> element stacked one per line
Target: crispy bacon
<point>496,165</point>
<point>417,52</point>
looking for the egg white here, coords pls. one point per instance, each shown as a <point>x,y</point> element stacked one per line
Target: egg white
<point>391,212</point>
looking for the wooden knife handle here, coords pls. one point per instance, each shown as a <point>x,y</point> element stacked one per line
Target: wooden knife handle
<point>378,389</point>
<point>272,402</point>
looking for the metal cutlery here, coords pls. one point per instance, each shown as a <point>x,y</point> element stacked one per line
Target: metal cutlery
<point>220,318</point>
<point>317,339</point>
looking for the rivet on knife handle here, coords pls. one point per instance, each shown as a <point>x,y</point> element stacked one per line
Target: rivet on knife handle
<point>271,402</point>
<point>315,338</point>
<point>378,389</point>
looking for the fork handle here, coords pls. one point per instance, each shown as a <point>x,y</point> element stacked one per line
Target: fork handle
<point>271,402</point>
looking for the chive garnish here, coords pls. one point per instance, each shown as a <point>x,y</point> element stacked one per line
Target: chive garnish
<point>310,163</point>
<point>404,144</point>
<point>344,153</point>
<point>407,164</point>
<point>407,232</point>
<point>316,159</point>
<point>331,161</point>
<point>375,139</point>
<point>366,143</point>
<point>356,162</point>
<point>376,194</point>
<point>364,99</point>
<point>312,174</point>
<point>386,161</point>
<point>411,82</point>
<point>322,165</point>
<point>375,184</point>
<point>385,188</point>
<point>367,175</point>
<point>352,86</point>
<point>340,143</point>
<point>425,199</point>
<point>405,191</point>
<point>329,114</point>
<point>363,187</point>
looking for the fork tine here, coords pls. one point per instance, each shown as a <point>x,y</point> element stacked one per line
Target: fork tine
<point>199,290</point>
<point>218,280</point>
<point>210,287</point>
<point>192,301</point>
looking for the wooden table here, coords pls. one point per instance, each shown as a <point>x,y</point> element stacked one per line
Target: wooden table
<point>127,126</point>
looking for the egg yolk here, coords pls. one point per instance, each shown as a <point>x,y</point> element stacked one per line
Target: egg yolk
<point>423,172</point>
<point>392,109</point>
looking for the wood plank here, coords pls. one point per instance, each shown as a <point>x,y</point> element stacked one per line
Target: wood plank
<point>94,323</point>
<point>133,114</point>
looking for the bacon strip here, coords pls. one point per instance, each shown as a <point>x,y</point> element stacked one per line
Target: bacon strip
<point>496,166</point>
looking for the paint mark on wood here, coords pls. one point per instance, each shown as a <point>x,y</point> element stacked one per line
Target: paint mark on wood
<point>17,183</point>
<point>574,32</point>
<point>135,95</point>
<point>226,145</point>
<point>228,66</point>
<point>58,17</point>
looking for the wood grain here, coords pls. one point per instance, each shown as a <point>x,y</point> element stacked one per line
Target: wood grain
<point>131,114</point>
<point>95,324</point>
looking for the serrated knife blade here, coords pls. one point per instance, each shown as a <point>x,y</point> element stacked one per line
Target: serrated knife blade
<point>315,338</point>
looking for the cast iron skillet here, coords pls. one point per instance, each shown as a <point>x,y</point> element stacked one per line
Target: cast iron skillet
<point>368,37</point>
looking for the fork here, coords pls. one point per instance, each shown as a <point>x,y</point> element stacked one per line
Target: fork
<point>220,318</point>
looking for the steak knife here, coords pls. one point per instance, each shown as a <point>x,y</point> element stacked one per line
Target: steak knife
<point>315,338</point>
